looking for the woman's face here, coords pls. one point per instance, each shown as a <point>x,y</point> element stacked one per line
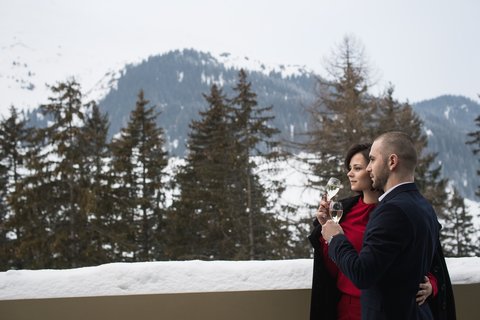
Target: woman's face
<point>359,177</point>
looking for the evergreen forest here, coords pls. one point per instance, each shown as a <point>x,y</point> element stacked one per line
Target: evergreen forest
<point>71,196</point>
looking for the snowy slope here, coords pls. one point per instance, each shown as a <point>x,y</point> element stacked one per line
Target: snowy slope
<point>26,74</point>
<point>236,62</point>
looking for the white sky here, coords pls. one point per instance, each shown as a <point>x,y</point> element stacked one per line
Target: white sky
<point>425,48</point>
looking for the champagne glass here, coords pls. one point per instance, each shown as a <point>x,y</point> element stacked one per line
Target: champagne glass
<point>336,210</point>
<point>332,188</point>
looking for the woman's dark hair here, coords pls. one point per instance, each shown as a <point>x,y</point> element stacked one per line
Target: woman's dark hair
<point>363,148</point>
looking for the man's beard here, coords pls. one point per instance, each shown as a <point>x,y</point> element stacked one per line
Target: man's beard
<point>381,180</point>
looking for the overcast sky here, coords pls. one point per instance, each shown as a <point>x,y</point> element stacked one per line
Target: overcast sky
<point>424,48</point>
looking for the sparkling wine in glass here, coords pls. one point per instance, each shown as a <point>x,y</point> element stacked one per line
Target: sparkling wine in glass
<point>336,211</point>
<point>332,188</point>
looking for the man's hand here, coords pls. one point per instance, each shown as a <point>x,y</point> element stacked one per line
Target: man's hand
<point>330,229</point>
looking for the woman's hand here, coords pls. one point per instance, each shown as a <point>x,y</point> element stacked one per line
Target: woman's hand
<point>322,211</point>
<point>424,292</point>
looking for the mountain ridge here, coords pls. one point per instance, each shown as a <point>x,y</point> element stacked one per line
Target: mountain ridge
<point>447,121</point>
<point>175,83</point>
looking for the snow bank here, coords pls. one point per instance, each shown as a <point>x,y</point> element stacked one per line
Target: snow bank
<point>180,277</point>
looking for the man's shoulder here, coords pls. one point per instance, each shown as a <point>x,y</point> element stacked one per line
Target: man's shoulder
<point>406,186</point>
<point>402,192</point>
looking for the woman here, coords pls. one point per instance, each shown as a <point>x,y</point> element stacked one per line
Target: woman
<point>334,296</point>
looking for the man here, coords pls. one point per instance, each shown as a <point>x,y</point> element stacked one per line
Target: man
<point>399,241</point>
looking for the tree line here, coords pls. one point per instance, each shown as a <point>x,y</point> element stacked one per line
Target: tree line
<point>71,198</point>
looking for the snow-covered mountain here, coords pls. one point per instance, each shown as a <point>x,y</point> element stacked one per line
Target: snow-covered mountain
<point>175,82</point>
<point>447,121</point>
<point>27,72</point>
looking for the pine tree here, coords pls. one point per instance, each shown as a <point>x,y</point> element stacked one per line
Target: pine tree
<point>51,205</point>
<point>14,137</point>
<point>458,233</point>
<point>393,115</point>
<point>343,114</point>
<point>222,211</point>
<point>255,139</point>
<point>96,201</point>
<point>202,222</point>
<point>32,205</point>
<point>63,158</point>
<point>138,161</point>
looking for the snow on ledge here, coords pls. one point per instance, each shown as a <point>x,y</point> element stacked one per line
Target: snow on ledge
<point>180,277</point>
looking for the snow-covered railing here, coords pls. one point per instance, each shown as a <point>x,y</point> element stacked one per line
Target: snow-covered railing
<point>181,277</point>
<point>278,289</point>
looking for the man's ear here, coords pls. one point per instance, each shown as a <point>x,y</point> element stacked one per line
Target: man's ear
<point>392,161</point>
